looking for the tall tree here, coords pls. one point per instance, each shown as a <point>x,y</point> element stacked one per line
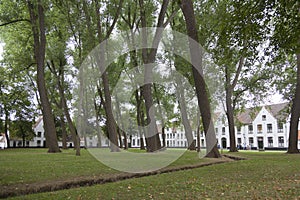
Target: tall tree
<point>234,42</point>
<point>286,43</point>
<point>201,91</point>
<point>152,137</point>
<point>110,122</point>
<point>37,19</point>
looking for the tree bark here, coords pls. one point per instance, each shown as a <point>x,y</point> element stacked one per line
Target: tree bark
<point>110,122</point>
<point>39,36</point>
<point>6,122</point>
<point>72,127</point>
<point>229,111</point>
<point>64,132</point>
<point>185,121</point>
<point>196,59</point>
<point>161,118</point>
<point>152,136</point>
<point>230,105</point>
<point>295,114</point>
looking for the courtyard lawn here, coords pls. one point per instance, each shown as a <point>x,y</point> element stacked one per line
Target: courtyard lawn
<point>265,175</point>
<point>24,166</point>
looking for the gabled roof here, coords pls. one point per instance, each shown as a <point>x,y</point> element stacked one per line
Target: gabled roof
<point>279,111</point>
<point>216,115</point>
<point>38,122</point>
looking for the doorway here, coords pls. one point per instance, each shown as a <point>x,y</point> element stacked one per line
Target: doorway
<point>260,143</point>
<point>224,143</point>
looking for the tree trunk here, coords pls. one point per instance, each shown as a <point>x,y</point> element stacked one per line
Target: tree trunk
<point>110,121</point>
<point>121,125</point>
<point>139,116</point>
<point>60,82</point>
<point>152,136</point>
<point>64,132</point>
<point>185,121</point>
<point>6,122</point>
<point>161,117</point>
<point>196,60</point>
<point>38,29</point>
<point>295,114</point>
<point>99,133</point>
<point>229,111</point>
<point>143,123</point>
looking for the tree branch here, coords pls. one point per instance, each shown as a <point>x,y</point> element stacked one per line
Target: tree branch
<point>171,17</point>
<point>115,20</point>
<point>15,21</point>
<point>238,72</point>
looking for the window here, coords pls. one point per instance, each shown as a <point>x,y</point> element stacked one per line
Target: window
<point>280,142</point>
<point>280,127</point>
<point>133,142</point>
<point>138,142</point>
<point>223,130</point>
<point>264,117</point>
<point>269,128</point>
<point>39,134</point>
<point>239,130</point>
<point>259,128</point>
<point>202,142</point>
<point>239,140</point>
<point>250,128</point>
<point>270,141</point>
<point>250,141</point>
<point>38,142</point>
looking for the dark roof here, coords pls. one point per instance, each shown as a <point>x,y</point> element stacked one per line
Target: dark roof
<point>279,111</point>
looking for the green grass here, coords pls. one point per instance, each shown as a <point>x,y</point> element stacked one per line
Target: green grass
<point>35,165</point>
<point>263,176</point>
<point>20,166</point>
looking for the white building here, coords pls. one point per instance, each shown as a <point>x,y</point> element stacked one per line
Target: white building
<point>3,141</point>
<point>266,127</point>
<point>38,141</point>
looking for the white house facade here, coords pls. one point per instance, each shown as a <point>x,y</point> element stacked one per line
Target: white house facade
<point>3,141</point>
<point>266,128</point>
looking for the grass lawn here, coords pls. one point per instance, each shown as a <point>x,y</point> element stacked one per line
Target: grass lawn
<point>264,175</point>
<point>19,166</point>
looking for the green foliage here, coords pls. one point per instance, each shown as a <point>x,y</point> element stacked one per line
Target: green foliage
<point>21,129</point>
<point>285,43</point>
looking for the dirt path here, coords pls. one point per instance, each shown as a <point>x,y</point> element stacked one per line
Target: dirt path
<point>31,188</point>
